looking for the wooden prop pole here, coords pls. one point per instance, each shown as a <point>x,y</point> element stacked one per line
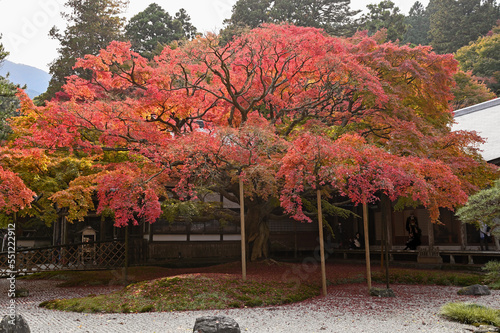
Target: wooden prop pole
<point>367,246</point>
<point>321,243</point>
<point>242,221</point>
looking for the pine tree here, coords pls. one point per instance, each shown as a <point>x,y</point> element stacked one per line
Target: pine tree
<point>385,15</point>
<point>334,16</point>
<point>455,23</point>
<point>417,23</point>
<point>154,28</point>
<point>8,100</point>
<point>92,25</point>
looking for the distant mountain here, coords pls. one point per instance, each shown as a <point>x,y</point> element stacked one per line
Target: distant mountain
<point>35,79</point>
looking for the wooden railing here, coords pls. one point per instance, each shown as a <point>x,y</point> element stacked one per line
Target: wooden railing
<point>80,256</point>
<point>424,255</point>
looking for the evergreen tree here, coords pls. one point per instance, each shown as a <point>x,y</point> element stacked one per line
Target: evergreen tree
<point>92,25</point>
<point>483,207</point>
<point>250,13</point>
<point>384,15</point>
<point>8,100</point>
<point>334,16</point>
<point>184,20</point>
<point>417,23</point>
<point>3,53</point>
<point>455,23</point>
<point>154,27</point>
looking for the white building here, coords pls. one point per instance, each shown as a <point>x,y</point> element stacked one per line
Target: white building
<point>484,118</point>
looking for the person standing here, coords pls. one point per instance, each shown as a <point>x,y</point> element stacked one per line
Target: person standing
<point>410,220</point>
<point>413,231</point>
<point>484,235</point>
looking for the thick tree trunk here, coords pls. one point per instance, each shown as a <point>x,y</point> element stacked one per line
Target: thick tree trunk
<point>257,229</point>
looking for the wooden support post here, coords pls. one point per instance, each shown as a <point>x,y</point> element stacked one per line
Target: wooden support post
<point>384,202</point>
<point>430,230</point>
<point>102,229</point>
<point>321,243</point>
<point>382,244</point>
<point>64,240</point>
<point>125,268</point>
<point>463,236</point>
<point>367,246</point>
<point>242,227</point>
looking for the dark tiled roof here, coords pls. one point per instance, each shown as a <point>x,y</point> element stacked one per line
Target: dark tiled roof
<point>477,107</point>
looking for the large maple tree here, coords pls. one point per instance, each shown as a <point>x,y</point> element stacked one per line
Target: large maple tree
<point>283,108</point>
<point>14,195</point>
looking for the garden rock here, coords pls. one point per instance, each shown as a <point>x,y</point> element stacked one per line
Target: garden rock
<point>216,324</point>
<point>380,292</point>
<point>21,293</point>
<point>21,326</point>
<point>487,329</point>
<point>475,290</point>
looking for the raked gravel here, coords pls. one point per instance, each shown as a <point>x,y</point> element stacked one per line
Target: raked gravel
<point>346,308</point>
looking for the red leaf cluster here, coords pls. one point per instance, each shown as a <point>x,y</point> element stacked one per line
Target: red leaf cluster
<point>284,107</point>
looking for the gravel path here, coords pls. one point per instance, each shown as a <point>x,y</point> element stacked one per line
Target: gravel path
<point>347,308</point>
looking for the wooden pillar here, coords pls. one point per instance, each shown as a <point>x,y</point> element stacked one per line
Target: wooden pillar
<point>295,239</point>
<point>64,239</point>
<point>56,231</point>
<point>385,207</point>
<point>463,235</point>
<point>321,243</point>
<point>125,268</point>
<point>242,227</point>
<point>150,236</point>
<point>430,231</point>
<point>388,212</point>
<point>102,229</point>
<point>367,246</point>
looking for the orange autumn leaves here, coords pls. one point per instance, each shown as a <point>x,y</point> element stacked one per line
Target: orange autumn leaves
<point>361,172</point>
<point>284,107</point>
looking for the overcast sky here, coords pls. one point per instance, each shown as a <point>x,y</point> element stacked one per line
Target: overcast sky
<point>24,24</point>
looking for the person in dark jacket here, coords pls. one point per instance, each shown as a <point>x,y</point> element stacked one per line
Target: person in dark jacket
<point>414,233</point>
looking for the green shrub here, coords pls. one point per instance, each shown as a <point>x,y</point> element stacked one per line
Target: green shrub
<point>492,278</point>
<point>467,280</point>
<point>234,304</point>
<point>254,302</point>
<point>147,308</point>
<point>189,292</point>
<point>469,313</point>
<point>443,281</point>
<point>428,277</point>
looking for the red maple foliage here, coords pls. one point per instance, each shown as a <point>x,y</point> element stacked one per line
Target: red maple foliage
<point>283,107</point>
<point>14,195</point>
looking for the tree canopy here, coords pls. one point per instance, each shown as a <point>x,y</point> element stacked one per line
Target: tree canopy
<point>384,15</point>
<point>368,117</point>
<point>482,57</point>
<point>454,23</point>
<point>335,17</point>
<point>8,100</point>
<point>14,195</point>
<point>469,90</point>
<point>92,25</point>
<point>483,207</point>
<point>417,25</point>
<point>153,28</point>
